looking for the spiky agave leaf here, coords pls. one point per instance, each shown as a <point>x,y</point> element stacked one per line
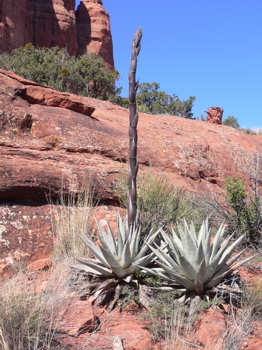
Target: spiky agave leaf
<point>119,257</point>
<point>190,260</point>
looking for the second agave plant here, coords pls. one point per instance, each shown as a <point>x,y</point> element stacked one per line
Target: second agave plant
<point>189,259</point>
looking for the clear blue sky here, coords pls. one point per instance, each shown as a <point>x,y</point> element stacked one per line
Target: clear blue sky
<point>211,49</point>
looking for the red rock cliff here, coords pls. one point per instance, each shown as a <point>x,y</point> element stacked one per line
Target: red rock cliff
<point>93,30</point>
<point>54,23</point>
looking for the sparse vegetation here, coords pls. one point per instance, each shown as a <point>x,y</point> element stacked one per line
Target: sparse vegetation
<point>251,131</point>
<point>242,323</point>
<point>173,322</point>
<point>253,301</point>
<point>22,317</point>
<point>161,204</point>
<point>162,316</point>
<point>233,122</point>
<point>28,318</point>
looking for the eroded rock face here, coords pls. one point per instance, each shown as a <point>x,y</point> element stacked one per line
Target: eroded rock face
<point>43,23</point>
<point>52,23</point>
<point>25,235</point>
<point>12,30</point>
<point>93,30</point>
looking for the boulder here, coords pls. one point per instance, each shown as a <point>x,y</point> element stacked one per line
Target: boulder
<point>214,115</point>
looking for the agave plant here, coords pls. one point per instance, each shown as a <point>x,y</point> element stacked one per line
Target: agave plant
<point>117,258</point>
<point>190,260</point>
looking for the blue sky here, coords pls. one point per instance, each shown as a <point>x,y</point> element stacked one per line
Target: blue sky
<point>211,49</point>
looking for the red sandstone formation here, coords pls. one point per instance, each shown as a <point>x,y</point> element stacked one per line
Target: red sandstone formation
<point>93,30</point>
<point>43,23</point>
<point>54,23</point>
<point>214,115</point>
<point>49,139</point>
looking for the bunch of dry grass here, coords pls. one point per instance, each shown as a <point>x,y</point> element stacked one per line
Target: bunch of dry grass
<point>29,320</point>
<point>23,317</point>
<point>178,330</point>
<point>245,319</point>
<point>71,219</point>
<point>171,323</point>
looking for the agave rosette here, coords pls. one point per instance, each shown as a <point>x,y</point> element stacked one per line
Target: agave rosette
<point>190,260</point>
<point>119,257</point>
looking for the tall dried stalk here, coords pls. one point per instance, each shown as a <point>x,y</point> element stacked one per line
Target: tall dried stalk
<point>133,120</point>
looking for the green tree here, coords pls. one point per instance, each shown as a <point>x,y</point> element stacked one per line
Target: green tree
<point>231,121</point>
<point>86,75</point>
<point>153,101</point>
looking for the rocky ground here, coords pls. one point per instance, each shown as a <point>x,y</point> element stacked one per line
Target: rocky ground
<point>80,324</point>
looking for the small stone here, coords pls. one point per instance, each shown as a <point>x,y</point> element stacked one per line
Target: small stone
<point>42,264</point>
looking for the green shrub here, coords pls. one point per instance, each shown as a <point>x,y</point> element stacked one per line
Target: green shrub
<point>151,100</point>
<point>160,203</point>
<point>23,317</point>
<point>244,213</point>
<point>85,75</point>
<point>231,121</point>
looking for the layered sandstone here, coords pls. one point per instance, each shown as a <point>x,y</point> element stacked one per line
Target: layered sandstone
<point>51,140</point>
<point>54,23</point>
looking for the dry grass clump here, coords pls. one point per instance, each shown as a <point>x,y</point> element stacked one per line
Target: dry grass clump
<point>23,317</point>
<point>244,320</point>
<point>178,330</point>
<point>71,218</point>
<point>29,319</point>
<point>170,322</point>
